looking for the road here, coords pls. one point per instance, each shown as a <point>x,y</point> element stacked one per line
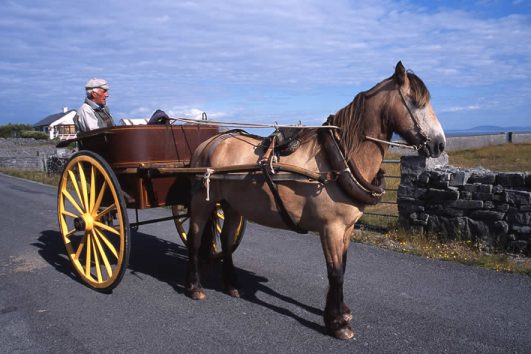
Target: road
<point>401,303</point>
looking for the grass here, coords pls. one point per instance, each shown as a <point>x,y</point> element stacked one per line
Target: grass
<point>37,176</point>
<point>505,158</point>
<point>430,246</point>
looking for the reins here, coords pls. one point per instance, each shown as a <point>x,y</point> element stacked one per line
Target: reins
<point>252,125</point>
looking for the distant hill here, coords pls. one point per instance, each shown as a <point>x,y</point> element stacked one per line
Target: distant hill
<point>486,129</point>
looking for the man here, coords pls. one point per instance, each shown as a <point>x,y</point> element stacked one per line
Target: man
<point>93,113</point>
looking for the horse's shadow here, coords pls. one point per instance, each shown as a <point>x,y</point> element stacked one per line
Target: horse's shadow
<point>167,262</point>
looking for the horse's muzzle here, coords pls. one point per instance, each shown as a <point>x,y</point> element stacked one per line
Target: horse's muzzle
<point>434,147</point>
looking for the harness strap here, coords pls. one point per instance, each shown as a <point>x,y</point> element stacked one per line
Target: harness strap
<point>280,205</point>
<point>269,155</point>
<point>415,120</point>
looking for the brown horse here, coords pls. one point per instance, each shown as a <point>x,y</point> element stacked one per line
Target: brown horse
<point>398,104</point>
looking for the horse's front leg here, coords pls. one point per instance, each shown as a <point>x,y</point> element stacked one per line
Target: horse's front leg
<point>201,211</point>
<point>335,241</point>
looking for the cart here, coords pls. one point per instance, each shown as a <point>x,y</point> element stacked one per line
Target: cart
<point>127,167</point>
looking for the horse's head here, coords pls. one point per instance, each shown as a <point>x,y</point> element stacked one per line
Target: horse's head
<point>412,115</point>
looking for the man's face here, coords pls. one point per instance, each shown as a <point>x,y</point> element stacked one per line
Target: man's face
<point>99,96</point>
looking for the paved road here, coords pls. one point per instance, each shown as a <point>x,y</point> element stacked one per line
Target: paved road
<point>401,303</point>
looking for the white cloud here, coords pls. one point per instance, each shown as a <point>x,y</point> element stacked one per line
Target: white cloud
<point>230,56</point>
<point>473,107</point>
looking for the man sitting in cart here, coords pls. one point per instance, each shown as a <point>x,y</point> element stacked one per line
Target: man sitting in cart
<point>94,113</point>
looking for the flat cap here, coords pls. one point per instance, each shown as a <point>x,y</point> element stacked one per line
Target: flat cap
<point>97,83</point>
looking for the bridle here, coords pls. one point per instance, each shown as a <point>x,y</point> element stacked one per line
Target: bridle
<point>418,128</point>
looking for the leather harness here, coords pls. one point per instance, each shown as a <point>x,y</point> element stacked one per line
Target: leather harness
<point>345,172</point>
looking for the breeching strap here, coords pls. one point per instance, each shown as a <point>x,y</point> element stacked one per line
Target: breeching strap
<point>280,205</point>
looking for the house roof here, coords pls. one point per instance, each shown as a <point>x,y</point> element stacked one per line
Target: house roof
<point>50,119</point>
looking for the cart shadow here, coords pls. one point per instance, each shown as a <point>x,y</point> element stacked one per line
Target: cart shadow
<point>52,250</point>
<point>167,262</point>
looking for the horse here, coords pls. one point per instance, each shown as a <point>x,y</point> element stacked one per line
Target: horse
<point>399,104</point>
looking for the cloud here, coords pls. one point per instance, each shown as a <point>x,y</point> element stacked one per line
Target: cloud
<point>250,58</point>
<point>473,107</point>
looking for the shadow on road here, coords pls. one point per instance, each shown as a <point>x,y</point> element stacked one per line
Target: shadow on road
<point>167,262</point>
<point>52,250</point>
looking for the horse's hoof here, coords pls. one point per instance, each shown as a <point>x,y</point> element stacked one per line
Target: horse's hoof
<point>345,333</point>
<point>347,313</point>
<point>233,292</point>
<point>196,294</point>
<point>347,316</point>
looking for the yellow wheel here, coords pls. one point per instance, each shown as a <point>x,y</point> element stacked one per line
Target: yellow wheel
<point>93,220</point>
<point>216,225</point>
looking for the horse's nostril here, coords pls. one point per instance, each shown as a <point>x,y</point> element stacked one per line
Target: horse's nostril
<point>440,147</point>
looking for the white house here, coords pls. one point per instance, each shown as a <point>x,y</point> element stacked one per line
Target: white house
<point>58,125</point>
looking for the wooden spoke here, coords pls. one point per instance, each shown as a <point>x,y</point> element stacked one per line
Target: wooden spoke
<point>71,199</point>
<point>87,259</point>
<point>81,246</point>
<point>217,225</point>
<point>70,233</point>
<point>103,255</point>
<point>76,187</point>
<point>97,203</point>
<point>92,189</point>
<point>105,211</point>
<point>107,243</point>
<point>96,258</point>
<point>106,227</point>
<point>67,213</point>
<point>83,186</point>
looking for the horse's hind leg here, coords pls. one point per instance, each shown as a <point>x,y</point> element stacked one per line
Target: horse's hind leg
<point>335,241</point>
<point>230,228</point>
<point>201,213</point>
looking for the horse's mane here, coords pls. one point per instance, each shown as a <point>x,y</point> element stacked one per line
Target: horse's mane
<point>350,117</point>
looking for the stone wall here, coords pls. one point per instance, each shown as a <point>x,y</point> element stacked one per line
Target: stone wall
<point>467,204</point>
<point>25,154</point>
<point>454,143</point>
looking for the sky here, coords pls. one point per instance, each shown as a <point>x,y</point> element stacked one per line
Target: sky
<point>275,61</point>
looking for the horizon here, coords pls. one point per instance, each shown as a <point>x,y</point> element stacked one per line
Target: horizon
<point>286,62</point>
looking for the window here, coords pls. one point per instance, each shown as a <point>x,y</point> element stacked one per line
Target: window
<point>66,129</point>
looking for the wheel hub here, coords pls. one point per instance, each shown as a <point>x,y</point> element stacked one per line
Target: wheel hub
<point>84,223</point>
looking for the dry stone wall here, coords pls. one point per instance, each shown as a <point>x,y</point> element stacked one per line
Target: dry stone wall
<point>468,204</point>
<point>26,154</point>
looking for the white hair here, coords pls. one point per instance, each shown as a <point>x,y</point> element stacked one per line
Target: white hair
<point>90,90</point>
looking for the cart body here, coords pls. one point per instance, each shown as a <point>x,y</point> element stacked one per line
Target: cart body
<point>133,151</point>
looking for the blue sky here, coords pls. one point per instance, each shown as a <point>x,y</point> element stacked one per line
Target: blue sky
<point>264,61</point>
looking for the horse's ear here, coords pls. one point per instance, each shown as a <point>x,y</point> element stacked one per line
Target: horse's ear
<point>400,73</point>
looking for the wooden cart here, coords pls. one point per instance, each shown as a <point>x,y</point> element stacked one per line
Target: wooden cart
<point>134,167</point>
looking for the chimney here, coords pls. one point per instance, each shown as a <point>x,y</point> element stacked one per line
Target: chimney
<point>65,109</point>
